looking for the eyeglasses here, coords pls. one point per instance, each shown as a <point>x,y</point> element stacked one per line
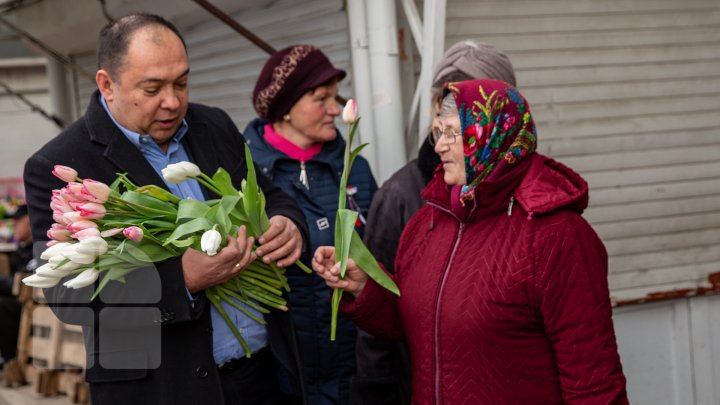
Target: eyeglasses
<point>449,135</point>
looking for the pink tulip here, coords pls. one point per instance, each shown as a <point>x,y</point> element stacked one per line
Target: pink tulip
<point>64,173</point>
<point>111,232</point>
<point>60,235</point>
<point>86,233</point>
<point>73,190</point>
<point>59,218</point>
<point>95,191</point>
<point>78,226</point>
<point>133,233</point>
<point>92,210</point>
<point>350,112</point>
<point>72,216</point>
<point>58,204</point>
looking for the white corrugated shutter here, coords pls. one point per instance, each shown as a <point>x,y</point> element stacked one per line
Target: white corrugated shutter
<point>626,92</point>
<point>224,65</point>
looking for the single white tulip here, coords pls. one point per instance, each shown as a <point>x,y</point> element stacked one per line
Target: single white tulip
<point>54,250</point>
<point>70,252</point>
<point>61,263</point>
<point>178,172</point>
<point>84,279</point>
<point>50,271</point>
<point>93,245</point>
<point>210,242</point>
<point>39,281</point>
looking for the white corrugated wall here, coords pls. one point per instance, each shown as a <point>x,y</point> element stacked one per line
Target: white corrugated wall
<point>626,92</point>
<point>224,65</point>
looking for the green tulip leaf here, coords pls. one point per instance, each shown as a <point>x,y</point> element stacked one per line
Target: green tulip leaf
<point>365,260</point>
<point>189,209</point>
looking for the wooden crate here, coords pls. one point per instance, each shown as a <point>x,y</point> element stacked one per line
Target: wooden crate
<point>54,344</point>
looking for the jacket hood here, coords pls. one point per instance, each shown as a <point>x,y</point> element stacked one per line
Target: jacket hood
<point>332,152</point>
<point>540,185</point>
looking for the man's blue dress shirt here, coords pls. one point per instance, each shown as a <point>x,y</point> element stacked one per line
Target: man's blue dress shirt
<point>225,345</point>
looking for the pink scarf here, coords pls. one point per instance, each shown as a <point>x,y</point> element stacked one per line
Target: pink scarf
<point>283,145</point>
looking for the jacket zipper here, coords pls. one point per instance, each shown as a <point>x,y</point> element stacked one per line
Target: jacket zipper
<point>438,303</point>
<point>303,176</point>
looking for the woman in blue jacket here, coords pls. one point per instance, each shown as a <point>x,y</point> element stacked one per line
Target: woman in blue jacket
<point>294,141</point>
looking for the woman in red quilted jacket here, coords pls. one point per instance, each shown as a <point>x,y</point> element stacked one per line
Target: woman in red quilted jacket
<point>504,285</point>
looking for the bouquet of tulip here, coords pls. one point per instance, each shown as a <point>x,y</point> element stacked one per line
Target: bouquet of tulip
<point>348,244</point>
<point>106,231</point>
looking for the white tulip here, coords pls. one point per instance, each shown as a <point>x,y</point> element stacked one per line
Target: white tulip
<point>50,271</point>
<point>178,172</point>
<point>70,252</point>
<point>39,281</point>
<point>92,245</point>
<point>54,250</point>
<point>61,263</point>
<point>84,279</point>
<point>210,242</point>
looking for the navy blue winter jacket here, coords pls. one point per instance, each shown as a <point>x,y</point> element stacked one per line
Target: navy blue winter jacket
<point>328,365</point>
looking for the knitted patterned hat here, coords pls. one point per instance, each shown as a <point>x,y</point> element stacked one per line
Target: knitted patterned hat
<point>287,76</point>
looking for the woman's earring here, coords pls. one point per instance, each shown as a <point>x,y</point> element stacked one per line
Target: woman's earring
<point>286,117</point>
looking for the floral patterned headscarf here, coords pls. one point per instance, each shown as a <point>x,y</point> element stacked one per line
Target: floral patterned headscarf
<point>497,128</point>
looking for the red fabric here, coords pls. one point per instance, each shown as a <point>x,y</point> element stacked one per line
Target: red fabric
<point>522,315</point>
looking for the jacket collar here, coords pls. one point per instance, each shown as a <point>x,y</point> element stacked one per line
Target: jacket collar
<point>127,158</point>
<point>331,153</point>
<point>539,184</point>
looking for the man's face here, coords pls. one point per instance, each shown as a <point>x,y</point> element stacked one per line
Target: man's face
<point>149,93</point>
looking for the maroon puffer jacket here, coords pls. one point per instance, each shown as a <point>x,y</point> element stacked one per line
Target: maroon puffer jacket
<point>506,304</point>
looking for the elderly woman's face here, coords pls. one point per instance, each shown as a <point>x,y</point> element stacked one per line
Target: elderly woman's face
<point>312,118</point>
<point>449,146</point>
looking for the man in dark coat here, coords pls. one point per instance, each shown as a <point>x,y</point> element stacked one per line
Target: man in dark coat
<point>9,304</point>
<point>156,339</point>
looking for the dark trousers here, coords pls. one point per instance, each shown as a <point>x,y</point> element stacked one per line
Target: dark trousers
<point>9,326</point>
<point>253,381</point>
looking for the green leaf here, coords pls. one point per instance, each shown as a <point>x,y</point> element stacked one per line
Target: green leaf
<point>184,243</point>
<point>356,152</point>
<point>213,296</point>
<point>223,182</point>
<point>252,201</point>
<point>115,273</point>
<point>344,228</point>
<point>189,209</point>
<point>148,251</point>
<point>365,260</point>
<point>196,225</point>
<point>217,215</point>
<point>159,193</point>
<point>122,179</point>
<point>149,206</point>
<point>158,224</point>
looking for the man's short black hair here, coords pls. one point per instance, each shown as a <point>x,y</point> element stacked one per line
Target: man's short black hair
<point>114,39</point>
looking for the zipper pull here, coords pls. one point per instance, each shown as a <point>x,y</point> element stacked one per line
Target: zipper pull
<point>512,200</point>
<point>303,176</point>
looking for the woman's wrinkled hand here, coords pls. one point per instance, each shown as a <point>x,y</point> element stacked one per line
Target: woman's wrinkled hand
<point>324,265</point>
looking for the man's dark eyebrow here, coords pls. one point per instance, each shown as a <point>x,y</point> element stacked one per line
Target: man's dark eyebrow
<point>155,80</point>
